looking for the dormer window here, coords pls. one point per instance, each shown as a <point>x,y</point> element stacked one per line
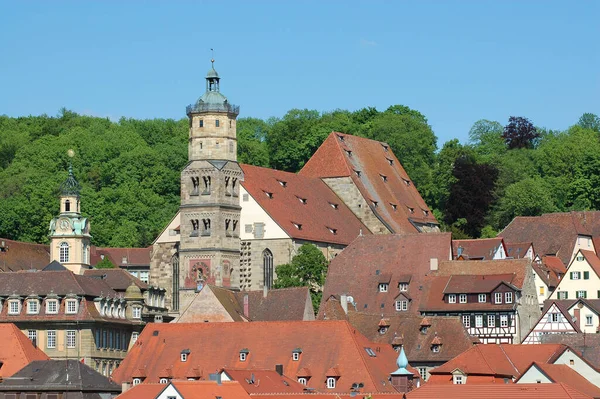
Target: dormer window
<point>33,306</point>
<point>385,147</point>
<point>390,161</point>
<point>297,225</point>
<point>425,213</point>
<point>394,206</point>
<point>401,305</point>
<point>508,297</point>
<point>349,153</point>
<point>51,306</point>
<point>302,200</point>
<point>270,195</point>
<point>296,354</point>
<point>163,381</point>
<point>332,230</point>
<point>244,355</point>
<point>403,287</point>
<point>452,298</point>
<point>334,206</point>
<point>424,329</point>
<point>302,380</point>
<point>124,260</point>
<point>136,381</point>
<point>481,298</point>
<point>184,355</point>
<point>407,182</point>
<point>137,312</point>
<point>411,210</point>
<point>383,177</point>
<point>435,348</point>
<point>14,306</point>
<point>282,183</point>
<point>498,297</point>
<point>330,382</point>
<point>375,203</point>
<point>71,306</point>
<point>383,329</point>
<point>357,173</point>
<point>383,287</point>
<point>462,298</point>
<point>339,136</point>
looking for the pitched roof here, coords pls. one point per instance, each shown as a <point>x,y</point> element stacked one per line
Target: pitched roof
<point>52,375</point>
<point>517,267</point>
<point>324,344</point>
<point>279,305</point>
<point>592,259</point>
<point>16,350</point>
<point>550,269</point>
<point>502,360</point>
<point>416,343</point>
<point>19,255</point>
<point>482,248</point>
<point>117,279</point>
<point>517,250</point>
<point>54,266</point>
<point>143,391</point>
<point>586,345</point>
<point>189,390</point>
<point>400,255</point>
<point>497,391</point>
<point>553,233</point>
<point>568,376</point>
<point>296,200</point>
<point>382,179</point>
<point>264,381</point>
<point>56,282</point>
<point>122,257</point>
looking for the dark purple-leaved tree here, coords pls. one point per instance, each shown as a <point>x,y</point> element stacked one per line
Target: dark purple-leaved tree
<point>471,194</point>
<point>519,133</point>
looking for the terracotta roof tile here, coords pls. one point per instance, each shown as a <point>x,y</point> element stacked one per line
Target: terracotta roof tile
<point>593,260</point>
<point>256,381</point>
<point>550,269</point>
<point>369,256</point>
<point>319,220</point>
<point>117,279</point>
<point>122,257</point>
<point>57,282</point>
<point>517,267</point>
<point>496,391</point>
<point>565,374</point>
<point>324,344</point>
<point>16,350</point>
<point>482,248</point>
<point>143,391</point>
<point>518,250</point>
<point>586,345</point>
<point>342,155</point>
<point>18,255</point>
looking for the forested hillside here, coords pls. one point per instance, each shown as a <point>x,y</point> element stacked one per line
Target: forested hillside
<point>129,170</point>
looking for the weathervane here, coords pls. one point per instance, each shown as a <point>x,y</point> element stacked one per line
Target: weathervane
<point>212,57</point>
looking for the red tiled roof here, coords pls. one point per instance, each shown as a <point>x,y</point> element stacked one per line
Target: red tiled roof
<point>553,233</point>
<point>518,250</point>
<point>554,263</point>
<point>117,256</point>
<point>18,255</point>
<point>189,390</point>
<point>585,345</point>
<point>324,344</point>
<point>549,269</point>
<point>143,391</point>
<point>369,256</point>
<point>16,350</point>
<point>568,376</point>
<point>497,391</point>
<point>482,248</point>
<point>516,267</point>
<point>117,279</point>
<point>304,201</point>
<point>264,381</point>
<point>417,344</point>
<point>593,260</point>
<point>475,284</point>
<point>499,360</point>
<point>56,282</point>
<point>382,178</point>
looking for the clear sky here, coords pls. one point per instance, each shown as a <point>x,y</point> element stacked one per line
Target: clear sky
<point>455,61</point>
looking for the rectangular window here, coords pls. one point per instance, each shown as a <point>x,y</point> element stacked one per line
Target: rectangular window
<point>589,320</point>
<point>504,320</point>
<point>137,312</point>
<point>423,373</point>
<point>134,337</point>
<point>383,287</point>
<point>508,297</point>
<point>478,320</point>
<point>498,297</point>
<point>482,298</point>
<point>71,306</point>
<point>98,339</point>
<point>458,379</point>
<point>554,317</point>
<point>575,275</point>
<point>586,275</point>
<point>563,295</point>
<point>70,338</point>
<point>542,290</point>
<point>51,306</point>
<point>33,306</point>
<point>217,123</point>
<point>491,320</point>
<point>403,287</point>
<point>201,123</point>
<point>466,321</point>
<point>401,306</point>
<point>248,228</point>
<point>51,339</point>
<point>452,298</point>
<point>581,294</point>
<point>145,276</point>
<point>32,335</point>
<point>14,307</point>
<point>462,298</point>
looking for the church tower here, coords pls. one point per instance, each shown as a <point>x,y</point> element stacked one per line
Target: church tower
<point>70,232</point>
<point>209,249</point>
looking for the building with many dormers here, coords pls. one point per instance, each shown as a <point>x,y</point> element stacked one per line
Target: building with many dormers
<point>236,223</point>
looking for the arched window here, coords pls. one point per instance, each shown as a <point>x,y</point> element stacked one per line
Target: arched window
<point>67,206</point>
<point>175,294</point>
<point>64,252</point>
<point>268,268</point>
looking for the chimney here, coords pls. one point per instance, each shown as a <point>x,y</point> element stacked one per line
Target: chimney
<point>124,387</point>
<point>344,302</point>
<point>279,369</point>
<point>433,264</point>
<point>246,306</point>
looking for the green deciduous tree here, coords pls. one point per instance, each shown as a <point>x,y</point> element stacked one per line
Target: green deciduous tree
<point>590,121</point>
<point>105,263</point>
<point>307,269</point>
<point>520,133</point>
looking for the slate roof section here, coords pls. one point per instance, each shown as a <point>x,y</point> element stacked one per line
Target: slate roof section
<point>59,283</point>
<point>55,375</point>
<point>499,360</point>
<point>16,350</point>
<point>369,256</point>
<point>117,279</point>
<point>19,255</point>
<point>122,257</point>
<point>553,233</point>
<point>324,344</point>
<point>417,344</point>
<point>304,201</point>
<point>256,381</point>
<point>382,179</point>
<point>497,391</point>
<point>561,373</point>
<point>477,249</point>
<point>54,266</point>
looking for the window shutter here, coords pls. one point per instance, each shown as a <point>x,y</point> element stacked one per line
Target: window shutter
<point>586,275</point>
<point>566,294</point>
<point>584,294</point>
<point>571,274</point>
<point>598,294</point>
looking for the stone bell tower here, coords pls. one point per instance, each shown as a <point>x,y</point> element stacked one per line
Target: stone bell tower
<point>70,232</point>
<point>209,250</point>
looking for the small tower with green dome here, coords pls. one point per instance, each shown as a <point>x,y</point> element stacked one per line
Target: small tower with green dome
<point>69,231</point>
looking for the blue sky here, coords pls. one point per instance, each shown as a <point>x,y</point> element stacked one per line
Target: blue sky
<point>455,61</point>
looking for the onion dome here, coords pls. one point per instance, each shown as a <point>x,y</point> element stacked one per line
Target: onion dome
<point>71,185</point>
